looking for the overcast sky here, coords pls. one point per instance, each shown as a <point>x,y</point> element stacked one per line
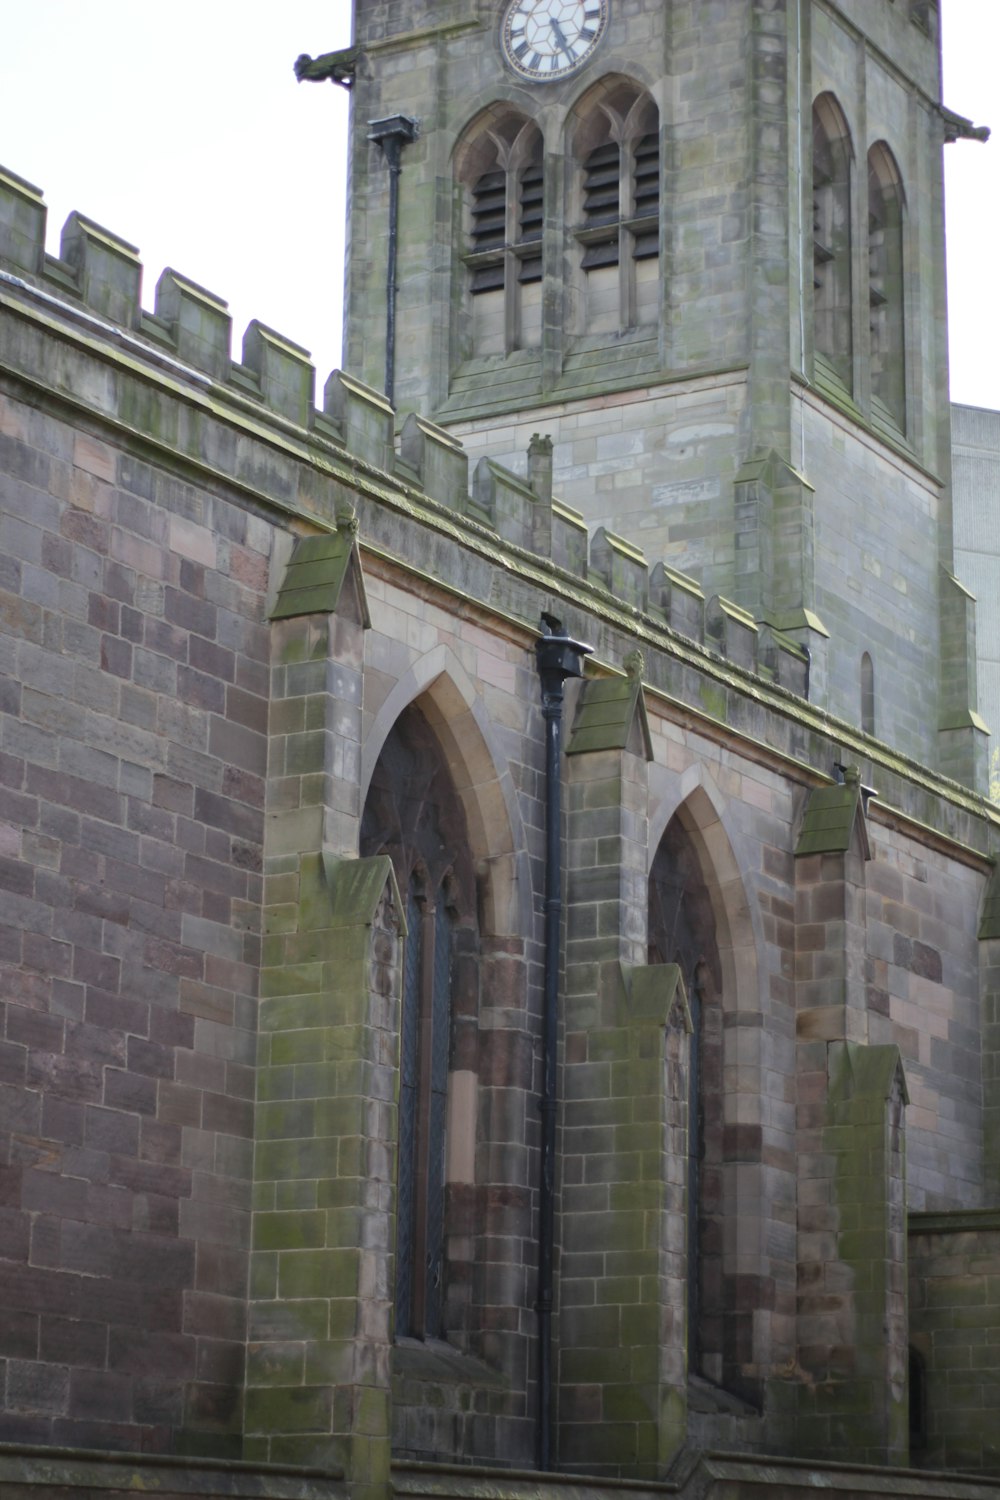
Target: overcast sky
<point>179,125</point>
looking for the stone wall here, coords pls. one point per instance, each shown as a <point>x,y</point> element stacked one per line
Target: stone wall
<point>955,1335</point>
<point>135,714</point>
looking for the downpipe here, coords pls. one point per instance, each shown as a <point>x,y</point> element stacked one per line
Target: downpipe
<point>558,658</point>
<point>392,134</point>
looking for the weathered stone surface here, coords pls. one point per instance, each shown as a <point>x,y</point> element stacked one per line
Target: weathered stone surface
<point>223,614</point>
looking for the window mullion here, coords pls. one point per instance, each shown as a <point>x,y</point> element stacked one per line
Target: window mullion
<point>510,266</point>
<point>626,280</point>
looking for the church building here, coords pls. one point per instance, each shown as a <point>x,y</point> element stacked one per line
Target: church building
<point>499,922</point>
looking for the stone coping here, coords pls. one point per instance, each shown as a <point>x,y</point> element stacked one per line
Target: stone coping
<point>958,1221</point>
<point>83,1472</point>
<point>86,1472</point>
<point>702,1475</point>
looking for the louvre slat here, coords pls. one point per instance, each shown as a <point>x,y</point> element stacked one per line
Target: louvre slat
<point>487,278</point>
<point>600,190</point>
<point>603,254</point>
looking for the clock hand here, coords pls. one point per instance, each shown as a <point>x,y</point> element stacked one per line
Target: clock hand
<point>561,42</point>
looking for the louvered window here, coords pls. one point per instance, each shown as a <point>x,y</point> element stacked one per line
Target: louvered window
<point>532,214</point>
<point>604,214</point>
<point>601,196</point>
<point>489,229</point>
<point>646,178</point>
<point>491,244</point>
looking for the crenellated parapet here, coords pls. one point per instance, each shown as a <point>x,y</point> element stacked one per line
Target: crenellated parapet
<point>100,275</point>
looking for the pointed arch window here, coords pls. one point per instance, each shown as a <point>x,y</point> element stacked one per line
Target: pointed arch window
<point>887,351</point>
<point>682,930</point>
<point>833,342</point>
<point>502,172</point>
<point>867,694</point>
<point>616,145</point>
<point>413,814</point>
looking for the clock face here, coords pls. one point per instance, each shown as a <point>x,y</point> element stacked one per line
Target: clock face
<point>546,39</point>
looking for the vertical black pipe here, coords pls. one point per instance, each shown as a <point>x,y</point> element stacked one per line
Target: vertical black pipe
<point>557,658</point>
<point>392,135</point>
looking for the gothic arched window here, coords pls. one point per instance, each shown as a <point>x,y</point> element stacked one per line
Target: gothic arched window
<point>414,815</point>
<point>616,147</point>
<point>887,351</point>
<point>833,340</point>
<point>682,930</point>
<point>867,694</point>
<point>501,170</point>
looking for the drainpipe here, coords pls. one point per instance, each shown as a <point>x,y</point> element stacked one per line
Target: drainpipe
<point>392,134</point>
<point>558,657</point>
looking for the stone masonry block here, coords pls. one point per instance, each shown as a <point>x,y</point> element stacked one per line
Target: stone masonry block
<point>287,377</point>
<point>680,599</point>
<point>732,632</point>
<point>621,567</point>
<point>569,539</point>
<point>507,501</point>
<point>199,323</point>
<point>365,419</point>
<point>108,270</point>
<point>439,460</point>
<point>22,224</point>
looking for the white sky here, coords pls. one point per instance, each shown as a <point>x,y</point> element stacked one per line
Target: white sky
<point>179,125</point>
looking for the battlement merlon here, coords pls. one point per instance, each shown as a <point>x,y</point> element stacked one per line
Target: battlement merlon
<point>98,276</point>
<point>339,67</point>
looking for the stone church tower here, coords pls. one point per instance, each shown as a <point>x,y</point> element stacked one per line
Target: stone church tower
<point>700,248</point>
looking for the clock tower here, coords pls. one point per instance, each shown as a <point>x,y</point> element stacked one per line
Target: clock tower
<point>682,241</point>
